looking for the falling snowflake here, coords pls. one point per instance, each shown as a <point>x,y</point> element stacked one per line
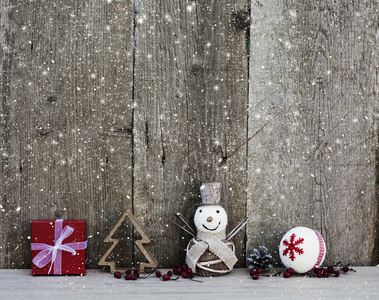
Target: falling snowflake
<point>292,247</point>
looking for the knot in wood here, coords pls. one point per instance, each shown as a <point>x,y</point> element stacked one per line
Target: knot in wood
<point>197,69</point>
<point>52,99</point>
<point>241,19</point>
<point>58,213</point>
<point>42,131</point>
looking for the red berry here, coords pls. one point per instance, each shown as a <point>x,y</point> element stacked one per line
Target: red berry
<point>290,270</point>
<point>345,269</point>
<point>326,274</point>
<point>135,276</point>
<point>169,273</point>
<point>158,273</point>
<point>136,270</point>
<point>128,271</point>
<point>166,277</point>
<point>252,272</point>
<point>330,269</point>
<point>128,277</point>
<point>287,275</point>
<point>175,271</point>
<point>184,267</point>
<point>191,275</point>
<point>337,273</point>
<point>259,271</point>
<point>189,271</point>
<point>320,274</point>
<point>180,270</point>
<point>184,274</point>
<point>256,276</point>
<point>117,274</point>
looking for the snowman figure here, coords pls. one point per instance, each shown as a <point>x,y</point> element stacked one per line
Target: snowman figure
<point>211,251</point>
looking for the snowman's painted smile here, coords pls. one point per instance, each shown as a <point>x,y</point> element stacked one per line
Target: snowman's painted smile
<point>212,229</point>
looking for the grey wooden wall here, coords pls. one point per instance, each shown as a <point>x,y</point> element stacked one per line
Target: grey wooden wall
<point>115,105</point>
<point>313,114</point>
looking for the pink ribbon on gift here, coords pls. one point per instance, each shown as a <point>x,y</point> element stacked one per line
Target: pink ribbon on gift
<point>53,254</point>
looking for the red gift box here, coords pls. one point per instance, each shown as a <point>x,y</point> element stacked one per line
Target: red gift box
<point>58,247</point>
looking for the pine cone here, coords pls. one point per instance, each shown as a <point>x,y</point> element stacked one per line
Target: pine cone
<point>260,259</point>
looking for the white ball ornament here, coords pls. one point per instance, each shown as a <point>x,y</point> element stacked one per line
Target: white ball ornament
<point>302,249</point>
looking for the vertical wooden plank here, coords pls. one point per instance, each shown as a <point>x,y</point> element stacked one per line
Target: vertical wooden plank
<point>280,129</point>
<point>67,94</point>
<point>312,124</point>
<point>347,85</point>
<point>115,60</point>
<point>14,86</point>
<point>160,128</point>
<point>190,115</point>
<point>217,93</point>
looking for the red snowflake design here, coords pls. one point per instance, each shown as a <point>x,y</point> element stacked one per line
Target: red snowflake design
<point>292,247</point>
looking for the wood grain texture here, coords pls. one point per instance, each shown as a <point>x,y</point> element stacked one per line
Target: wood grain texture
<point>190,115</point>
<point>114,105</point>
<point>67,117</point>
<point>313,124</point>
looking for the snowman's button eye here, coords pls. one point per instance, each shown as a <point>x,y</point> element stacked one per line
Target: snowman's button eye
<point>217,211</point>
<point>200,211</point>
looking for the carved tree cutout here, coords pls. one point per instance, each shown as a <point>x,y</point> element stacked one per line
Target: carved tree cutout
<point>145,240</point>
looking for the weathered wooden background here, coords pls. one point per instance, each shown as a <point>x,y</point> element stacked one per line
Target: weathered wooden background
<point>115,105</point>
<point>313,114</point>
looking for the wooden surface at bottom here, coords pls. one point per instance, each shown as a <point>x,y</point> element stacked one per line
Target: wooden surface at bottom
<point>99,284</point>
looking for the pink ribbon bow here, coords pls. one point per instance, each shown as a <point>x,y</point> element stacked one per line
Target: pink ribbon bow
<point>54,253</point>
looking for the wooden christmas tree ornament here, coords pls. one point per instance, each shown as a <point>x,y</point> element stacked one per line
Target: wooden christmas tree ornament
<point>152,262</point>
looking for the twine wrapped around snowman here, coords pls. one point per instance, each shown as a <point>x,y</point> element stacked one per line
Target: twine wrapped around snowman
<point>211,252</point>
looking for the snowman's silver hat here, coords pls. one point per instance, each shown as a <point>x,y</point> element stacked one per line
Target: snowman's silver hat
<point>210,192</point>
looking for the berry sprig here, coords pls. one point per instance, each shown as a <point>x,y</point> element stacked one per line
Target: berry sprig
<point>129,274</point>
<point>255,273</point>
<point>180,270</point>
<point>288,273</point>
<point>183,270</point>
<point>325,272</point>
<point>346,269</point>
<point>132,275</point>
<point>166,276</point>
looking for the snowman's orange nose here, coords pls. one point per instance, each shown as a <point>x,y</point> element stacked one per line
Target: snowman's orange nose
<point>210,219</point>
